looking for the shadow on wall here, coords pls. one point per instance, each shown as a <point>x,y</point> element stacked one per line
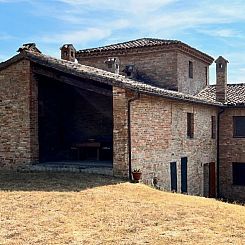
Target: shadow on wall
<point>61,182</point>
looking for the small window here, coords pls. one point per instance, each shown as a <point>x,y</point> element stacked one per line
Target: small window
<point>72,54</point>
<point>206,75</point>
<point>239,127</point>
<point>190,125</point>
<point>238,171</point>
<point>213,132</point>
<point>190,69</point>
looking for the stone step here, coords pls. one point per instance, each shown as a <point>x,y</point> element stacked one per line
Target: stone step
<point>67,168</point>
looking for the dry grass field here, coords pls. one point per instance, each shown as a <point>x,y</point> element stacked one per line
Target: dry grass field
<point>60,208</point>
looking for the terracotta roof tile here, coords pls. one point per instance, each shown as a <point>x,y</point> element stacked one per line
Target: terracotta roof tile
<point>140,43</point>
<point>235,94</point>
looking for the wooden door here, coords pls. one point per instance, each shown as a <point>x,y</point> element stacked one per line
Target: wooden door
<point>184,175</point>
<point>173,172</point>
<point>212,180</point>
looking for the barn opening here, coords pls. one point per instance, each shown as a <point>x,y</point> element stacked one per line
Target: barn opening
<point>75,121</point>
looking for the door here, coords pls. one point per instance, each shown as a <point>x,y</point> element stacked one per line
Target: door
<point>184,175</point>
<point>173,173</point>
<point>212,180</point>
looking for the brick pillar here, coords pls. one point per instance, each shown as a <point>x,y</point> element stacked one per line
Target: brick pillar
<point>34,144</point>
<point>16,115</point>
<point>221,79</point>
<point>120,132</point>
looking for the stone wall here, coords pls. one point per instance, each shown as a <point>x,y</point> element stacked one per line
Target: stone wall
<point>159,136</point>
<point>200,78</point>
<point>231,150</point>
<point>17,102</point>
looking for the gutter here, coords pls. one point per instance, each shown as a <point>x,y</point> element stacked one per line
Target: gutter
<point>218,151</point>
<point>136,97</point>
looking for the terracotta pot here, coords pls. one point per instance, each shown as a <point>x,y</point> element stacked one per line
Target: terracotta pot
<point>136,175</point>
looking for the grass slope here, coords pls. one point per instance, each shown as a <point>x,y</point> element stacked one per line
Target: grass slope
<point>83,209</point>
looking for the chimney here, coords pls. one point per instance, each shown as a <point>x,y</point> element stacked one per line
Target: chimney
<point>221,79</point>
<point>113,65</point>
<point>29,47</point>
<point>68,52</point>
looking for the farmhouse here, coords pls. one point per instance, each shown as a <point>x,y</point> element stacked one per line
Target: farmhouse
<point>144,104</point>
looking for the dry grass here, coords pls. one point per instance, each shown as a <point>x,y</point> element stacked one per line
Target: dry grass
<point>82,209</point>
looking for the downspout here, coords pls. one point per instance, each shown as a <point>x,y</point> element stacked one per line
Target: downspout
<point>218,152</point>
<point>136,96</point>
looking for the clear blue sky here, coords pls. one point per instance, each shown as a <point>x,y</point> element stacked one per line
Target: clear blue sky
<point>214,27</point>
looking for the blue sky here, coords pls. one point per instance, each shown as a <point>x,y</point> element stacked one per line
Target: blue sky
<point>214,27</point>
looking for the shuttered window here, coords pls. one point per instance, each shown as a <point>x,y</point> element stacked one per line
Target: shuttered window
<point>239,127</point>
<point>238,171</point>
<point>190,125</point>
<point>213,127</point>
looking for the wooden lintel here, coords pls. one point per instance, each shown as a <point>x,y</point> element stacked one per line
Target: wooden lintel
<point>84,85</point>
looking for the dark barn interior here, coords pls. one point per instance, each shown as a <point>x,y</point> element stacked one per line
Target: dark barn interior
<point>75,121</point>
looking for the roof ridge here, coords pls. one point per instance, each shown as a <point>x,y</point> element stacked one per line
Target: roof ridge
<point>130,41</point>
<point>228,84</point>
<point>143,43</point>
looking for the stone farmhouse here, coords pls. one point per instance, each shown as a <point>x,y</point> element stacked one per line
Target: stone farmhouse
<point>144,104</point>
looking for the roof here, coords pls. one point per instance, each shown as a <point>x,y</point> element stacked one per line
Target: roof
<point>144,43</point>
<point>235,94</point>
<point>102,76</point>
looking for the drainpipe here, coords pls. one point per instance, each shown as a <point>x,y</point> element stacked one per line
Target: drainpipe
<point>136,96</point>
<point>218,151</point>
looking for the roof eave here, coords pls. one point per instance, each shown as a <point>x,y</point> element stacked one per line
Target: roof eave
<point>12,60</point>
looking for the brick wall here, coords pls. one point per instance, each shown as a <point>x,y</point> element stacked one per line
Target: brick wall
<point>199,80</point>
<point>231,150</point>
<point>167,69</point>
<point>120,132</point>
<point>159,137</point>
<point>17,102</point>
<point>157,68</point>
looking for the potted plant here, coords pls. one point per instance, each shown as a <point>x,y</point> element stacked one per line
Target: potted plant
<point>136,174</point>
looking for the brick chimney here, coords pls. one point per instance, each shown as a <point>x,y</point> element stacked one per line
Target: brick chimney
<point>68,52</point>
<point>221,79</point>
<point>29,47</point>
<point>113,65</point>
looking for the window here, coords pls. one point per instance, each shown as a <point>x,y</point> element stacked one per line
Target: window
<point>190,125</point>
<point>239,127</point>
<point>213,132</point>
<point>206,75</point>
<point>238,171</point>
<point>190,69</point>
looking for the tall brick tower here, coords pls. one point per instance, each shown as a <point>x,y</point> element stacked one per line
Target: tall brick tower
<point>68,52</point>
<point>221,79</point>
